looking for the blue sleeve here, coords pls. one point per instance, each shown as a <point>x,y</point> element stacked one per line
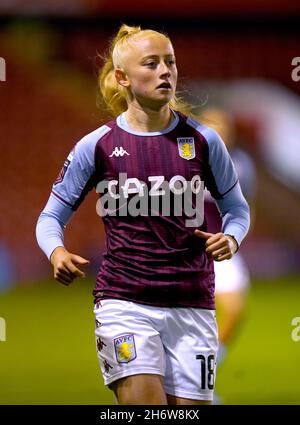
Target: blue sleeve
<point>223,173</point>
<point>76,177</point>
<point>51,224</point>
<point>223,184</point>
<point>226,188</point>
<point>235,213</point>
<point>245,168</point>
<point>68,191</point>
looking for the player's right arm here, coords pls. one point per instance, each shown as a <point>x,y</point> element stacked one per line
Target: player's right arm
<point>50,236</point>
<point>57,213</point>
<point>69,190</point>
<point>66,265</point>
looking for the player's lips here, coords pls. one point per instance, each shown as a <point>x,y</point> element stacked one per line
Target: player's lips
<point>165,85</point>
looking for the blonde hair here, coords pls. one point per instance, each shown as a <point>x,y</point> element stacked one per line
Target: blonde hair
<point>112,93</point>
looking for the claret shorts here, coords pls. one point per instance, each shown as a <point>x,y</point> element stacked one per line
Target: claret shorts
<point>178,343</point>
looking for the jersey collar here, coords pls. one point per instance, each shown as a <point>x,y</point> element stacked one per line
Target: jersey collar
<point>122,123</point>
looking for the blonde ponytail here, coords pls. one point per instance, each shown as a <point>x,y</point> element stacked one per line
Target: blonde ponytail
<point>113,94</point>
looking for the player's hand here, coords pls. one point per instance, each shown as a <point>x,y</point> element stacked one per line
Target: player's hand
<point>65,265</point>
<point>219,246</point>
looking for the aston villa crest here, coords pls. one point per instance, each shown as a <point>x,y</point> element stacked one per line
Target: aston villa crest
<point>125,348</point>
<point>186,147</point>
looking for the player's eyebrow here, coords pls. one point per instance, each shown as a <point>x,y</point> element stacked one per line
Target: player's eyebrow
<point>169,55</point>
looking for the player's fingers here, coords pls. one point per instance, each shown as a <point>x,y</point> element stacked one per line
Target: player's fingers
<point>213,245</point>
<point>76,259</point>
<point>74,270</point>
<point>221,251</point>
<point>224,257</point>
<point>64,272</point>
<point>203,235</point>
<point>65,280</point>
<point>218,238</point>
<point>217,245</point>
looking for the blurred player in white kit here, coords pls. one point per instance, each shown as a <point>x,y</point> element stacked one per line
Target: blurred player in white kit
<point>232,277</point>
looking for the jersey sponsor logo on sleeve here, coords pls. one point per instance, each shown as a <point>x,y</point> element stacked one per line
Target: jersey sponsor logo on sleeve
<point>186,147</point>
<point>125,348</point>
<point>63,171</point>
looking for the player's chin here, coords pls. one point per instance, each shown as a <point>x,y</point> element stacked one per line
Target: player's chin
<point>162,99</point>
<point>166,94</point>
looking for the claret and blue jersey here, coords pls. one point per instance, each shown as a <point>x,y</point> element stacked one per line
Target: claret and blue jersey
<point>152,258</point>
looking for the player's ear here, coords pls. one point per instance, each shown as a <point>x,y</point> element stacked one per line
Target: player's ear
<point>121,77</point>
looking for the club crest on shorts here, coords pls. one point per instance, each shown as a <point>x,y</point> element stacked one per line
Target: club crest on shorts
<point>125,348</point>
<point>186,147</point>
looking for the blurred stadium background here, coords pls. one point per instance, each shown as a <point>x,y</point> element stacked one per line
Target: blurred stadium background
<point>236,55</point>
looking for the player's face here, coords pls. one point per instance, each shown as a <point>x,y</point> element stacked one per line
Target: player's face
<point>150,71</point>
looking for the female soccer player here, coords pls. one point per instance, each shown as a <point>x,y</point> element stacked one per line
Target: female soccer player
<point>156,331</point>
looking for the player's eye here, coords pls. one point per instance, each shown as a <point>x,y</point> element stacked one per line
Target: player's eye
<point>171,62</point>
<point>150,64</point>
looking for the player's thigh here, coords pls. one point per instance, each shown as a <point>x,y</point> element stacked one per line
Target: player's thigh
<point>140,389</point>
<point>173,400</point>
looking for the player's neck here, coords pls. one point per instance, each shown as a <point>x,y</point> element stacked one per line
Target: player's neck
<point>148,120</point>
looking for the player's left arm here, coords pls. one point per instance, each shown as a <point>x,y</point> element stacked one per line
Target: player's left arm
<point>222,182</point>
<point>235,224</point>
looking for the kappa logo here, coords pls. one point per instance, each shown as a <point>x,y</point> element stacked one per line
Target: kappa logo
<point>186,147</point>
<point>107,366</point>
<point>100,344</point>
<point>97,323</point>
<point>119,152</point>
<point>125,348</point>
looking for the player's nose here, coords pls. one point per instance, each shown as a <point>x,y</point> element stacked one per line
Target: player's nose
<point>164,70</point>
